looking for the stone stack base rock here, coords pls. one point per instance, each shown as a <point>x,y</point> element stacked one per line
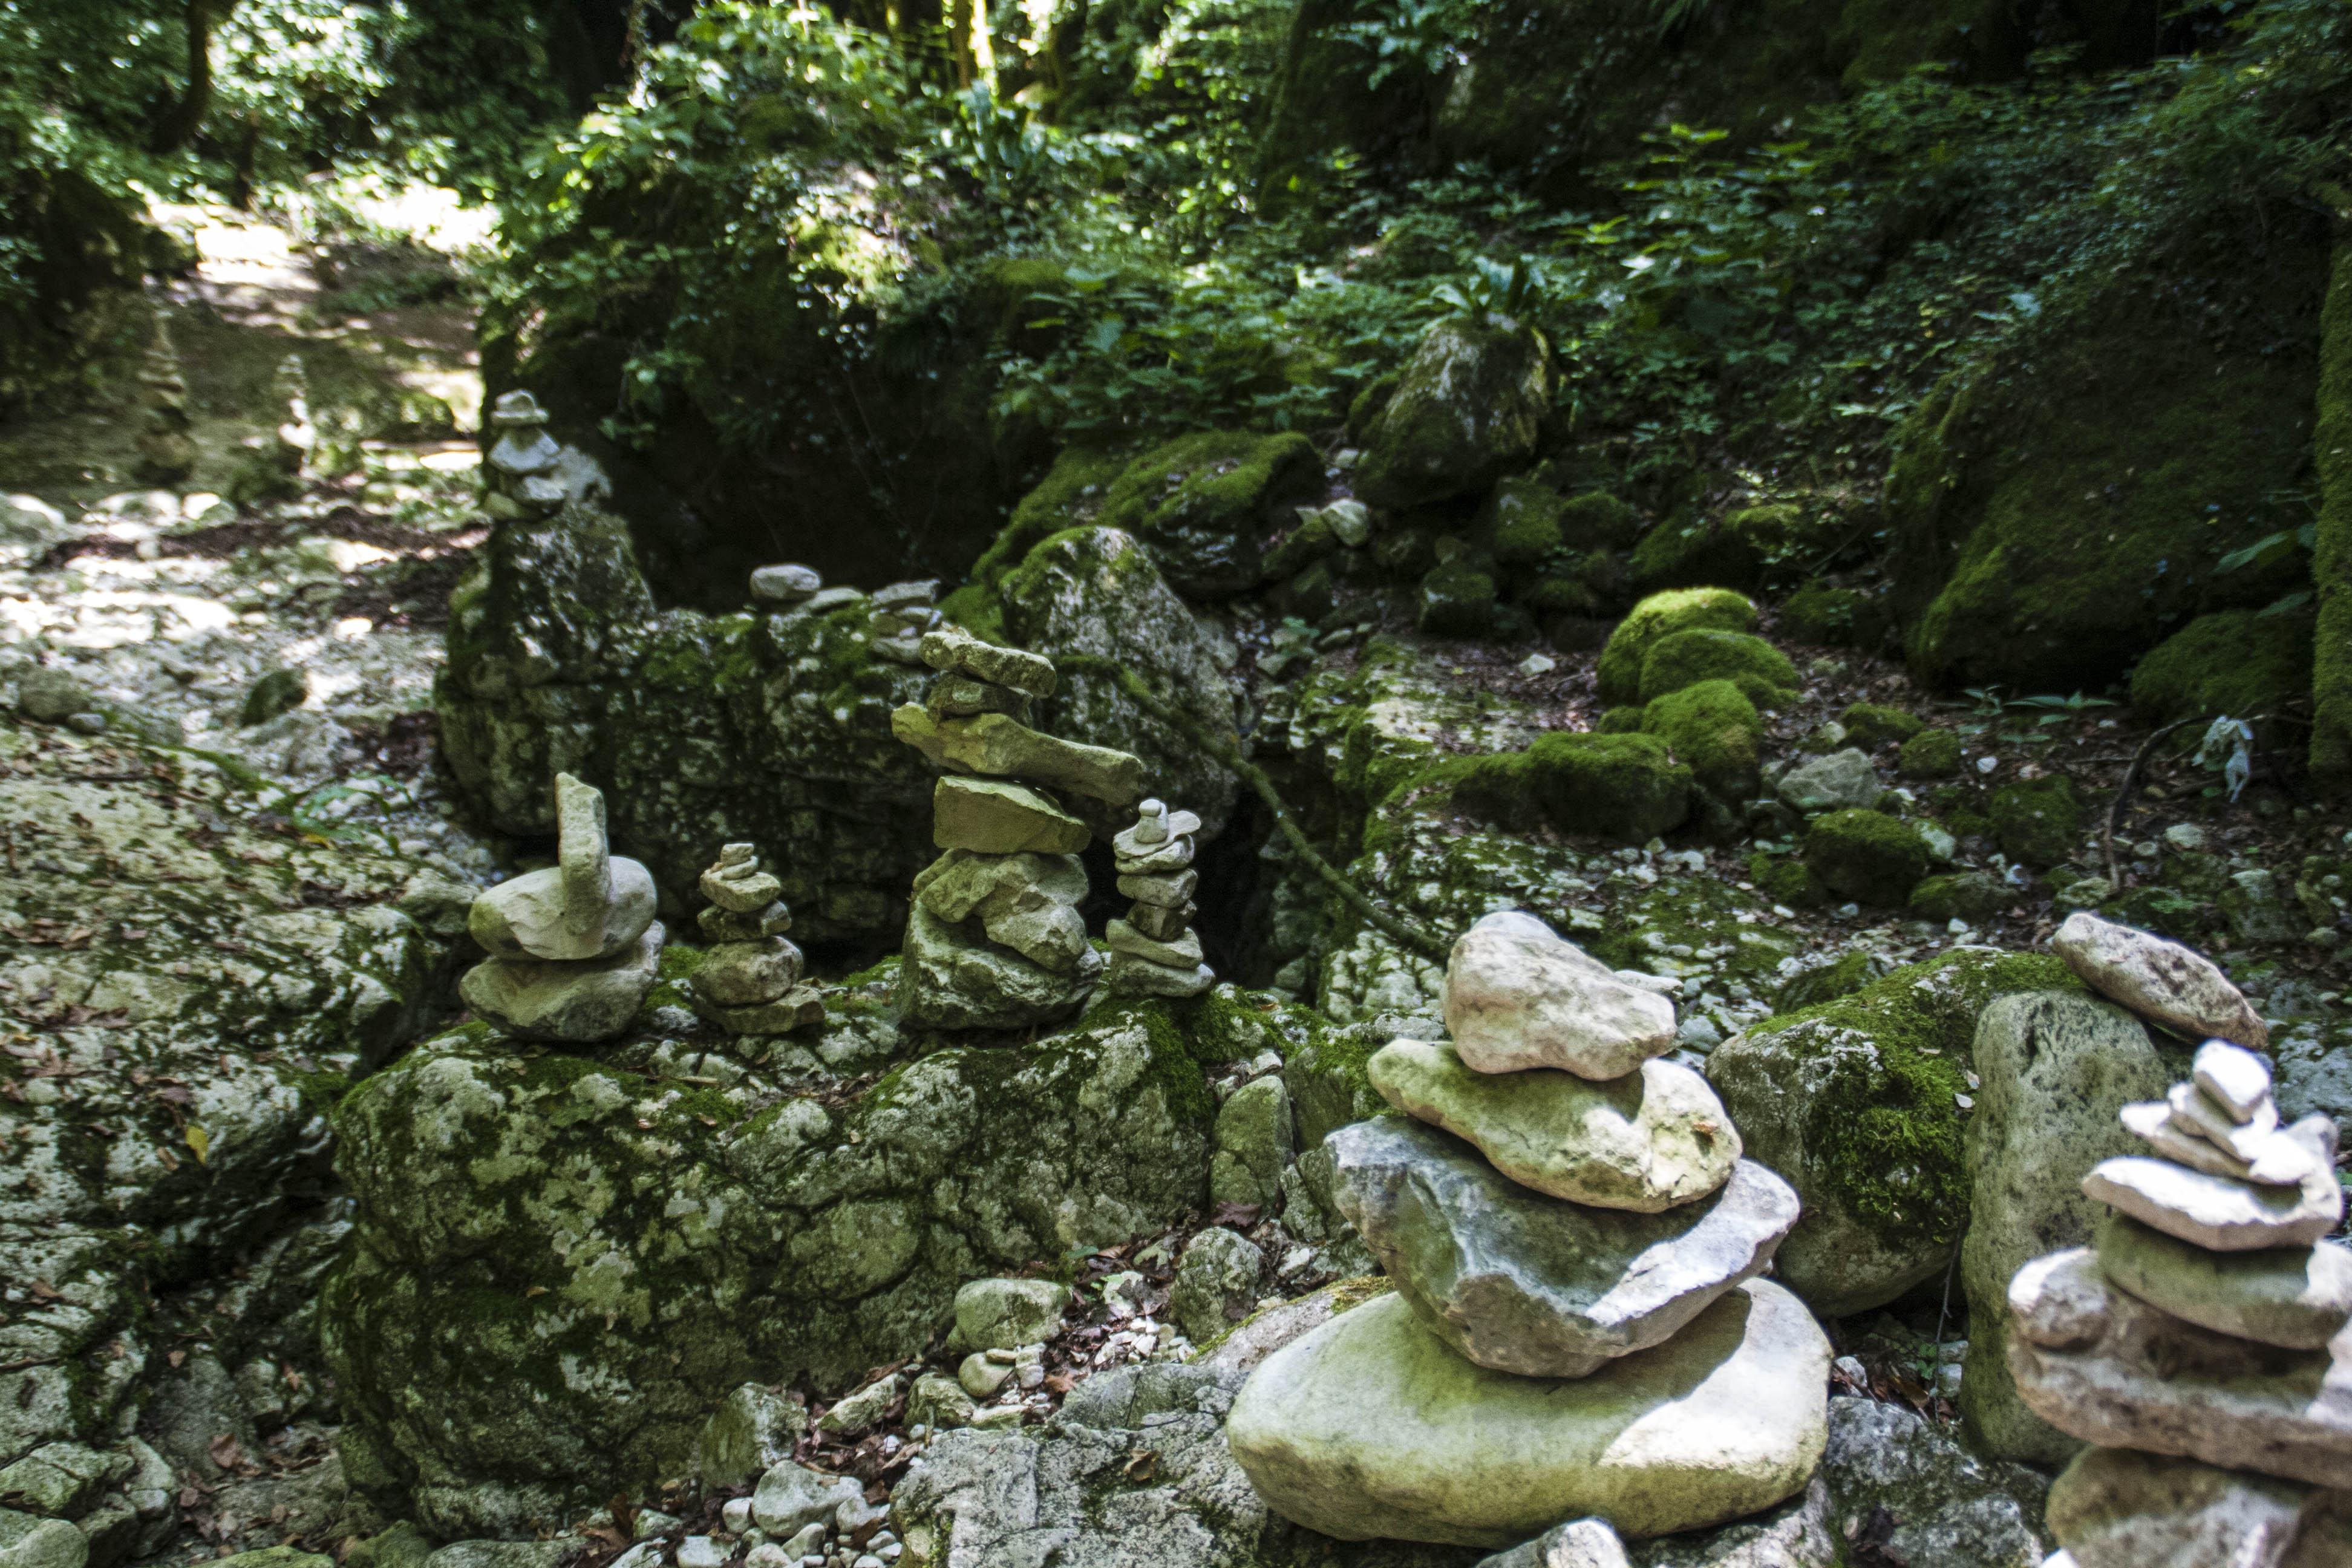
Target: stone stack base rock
<point>2199,1344</point>
<point>750,980</point>
<point>994,940</point>
<point>1579,1337</point>
<point>574,948</point>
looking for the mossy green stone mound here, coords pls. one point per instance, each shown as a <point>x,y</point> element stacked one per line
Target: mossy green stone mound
<point>1738,550</point>
<point>1871,725</point>
<point>1930,755</point>
<point>1866,855</point>
<point>1686,658</point>
<point>2237,662</point>
<point>1456,601</point>
<point>1659,615</point>
<point>1841,617</point>
<point>1625,788</point>
<point>1471,402</point>
<point>1857,1103</point>
<point>2037,821</point>
<point>1523,520</point>
<point>1714,728</point>
<point>1202,503</point>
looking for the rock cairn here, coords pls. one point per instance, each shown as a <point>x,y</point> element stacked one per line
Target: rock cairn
<point>994,940</point>
<point>902,612</point>
<point>528,472</point>
<point>1578,1329</point>
<point>2196,1343</point>
<point>750,981</point>
<point>1154,951</point>
<point>574,948</point>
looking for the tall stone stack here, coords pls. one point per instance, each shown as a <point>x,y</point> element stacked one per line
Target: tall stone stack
<point>1578,1329</point>
<point>994,939</point>
<point>574,948</point>
<point>1154,952</point>
<point>2199,1342</point>
<point>750,980</point>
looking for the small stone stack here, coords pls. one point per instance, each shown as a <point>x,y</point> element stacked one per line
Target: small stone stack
<point>2197,1341</point>
<point>902,614</point>
<point>574,948</point>
<point>994,940</point>
<point>167,451</point>
<point>1578,1328</point>
<point>1154,951</point>
<point>750,981</point>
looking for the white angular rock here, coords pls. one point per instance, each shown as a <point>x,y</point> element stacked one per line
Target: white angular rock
<point>746,974</point>
<point>1371,1426</point>
<point>2095,1360</point>
<point>1130,975</point>
<point>2151,1121</point>
<point>790,1497</point>
<point>999,1314</point>
<point>1516,996</point>
<point>1154,829</point>
<point>1184,953</point>
<point>2162,979</point>
<point>2195,1111</point>
<point>1027,901</point>
<point>2238,1079</point>
<point>785,584</point>
<point>2225,1215</point>
<point>736,883</point>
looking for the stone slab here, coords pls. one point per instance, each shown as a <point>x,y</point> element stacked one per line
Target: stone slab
<point>1517,997</point>
<point>2298,1298</point>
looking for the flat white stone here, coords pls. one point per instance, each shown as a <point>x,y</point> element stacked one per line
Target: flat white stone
<point>2162,979</point>
<point>2238,1079</point>
<point>2218,1211</point>
<point>1172,825</point>
<point>2152,1120</point>
<point>2195,1111</point>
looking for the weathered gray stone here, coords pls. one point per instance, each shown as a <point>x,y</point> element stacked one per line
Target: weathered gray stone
<point>2225,1215</point>
<point>1469,405</point>
<point>720,924</point>
<point>995,816</point>
<point>1133,976</point>
<point>1026,902</point>
<point>1842,781</point>
<point>1181,951</point>
<point>2096,1361</point>
<point>2296,1297</point>
<point>1516,996</point>
<point>1371,1426</point>
<point>736,883</point>
<point>575,1002</point>
<point>1254,1144</point>
<point>998,1314</point>
<point>791,1497</point>
<point>51,695</point>
<point>2239,1080</point>
<point>798,1009</point>
<point>938,1402</point>
<point>1166,828</point>
<point>589,905</point>
<point>787,584</point>
<point>1579,1543</point>
<point>953,978</point>
<point>1797,1534</point>
<point>2162,979</point>
<point>752,1431</point>
<point>2115,1509</point>
<point>1942,1504</point>
<point>1216,1283</point>
<point>28,1542</point>
<point>1529,1284</point>
<point>2055,1067</point>
<point>953,648</point>
<point>994,744</point>
<point>954,696</point>
<point>1647,1140</point>
<point>1168,892</point>
<point>746,974</point>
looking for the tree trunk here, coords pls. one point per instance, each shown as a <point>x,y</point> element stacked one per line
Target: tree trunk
<point>179,123</point>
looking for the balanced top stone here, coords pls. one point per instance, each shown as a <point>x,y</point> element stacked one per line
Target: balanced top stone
<point>588,905</point>
<point>2162,979</point>
<point>904,595</point>
<point>2239,1080</point>
<point>517,410</point>
<point>993,743</point>
<point>1155,830</point>
<point>1151,822</point>
<point>1516,996</point>
<point>736,883</point>
<point>785,584</point>
<point>952,647</point>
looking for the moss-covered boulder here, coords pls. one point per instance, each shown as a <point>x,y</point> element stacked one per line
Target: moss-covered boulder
<point>1524,521</point>
<point>1740,549</point>
<point>560,1267</point>
<point>1095,591</point>
<point>1470,405</point>
<point>1661,616</point>
<point>1072,495</point>
<point>1841,617</point>
<point>1596,519</point>
<point>2037,821</point>
<point>1694,927</point>
<point>1871,725</point>
<point>1204,503</point>
<point>1686,658</point>
<point>1972,897</point>
<point>1930,755</point>
<point>2062,504</point>
<point>1627,789</point>
<point>1860,1104</point>
<point>2239,662</point>
<point>1714,728</point>
<point>1455,600</point>
<point>1866,855</point>
<point>1788,882</point>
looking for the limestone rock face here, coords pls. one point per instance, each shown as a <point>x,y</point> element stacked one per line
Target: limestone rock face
<point>1517,997</point>
<point>955,979</point>
<point>1646,1141</point>
<point>2055,1070</point>
<point>2296,1297</point>
<point>579,1001</point>
<point>1943,1503</point>
<point>1528,1284</point>
<point>809,1241</point>
<point>2096,1361</point>
<point>1579,1543</point>
<point>999,1314</point>
<point>2162,979</point>
<point>1371,1426</point>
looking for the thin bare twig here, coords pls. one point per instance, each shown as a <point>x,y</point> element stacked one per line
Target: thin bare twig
<point>2123,794</point>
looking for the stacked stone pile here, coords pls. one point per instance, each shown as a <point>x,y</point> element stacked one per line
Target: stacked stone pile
<point>574,948</point>
<point>902,614</point>
<point>994,939</point>
<point>2199,1341</point>
<point>1154,951</point>
<point>1578,1330</point>
<point>750,981</point>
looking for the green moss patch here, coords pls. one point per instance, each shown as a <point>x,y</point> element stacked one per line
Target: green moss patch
<point>1871,726</point>
<point>2037,821</point>
<point>1714,728</point>
<point>1456,601</point>
<point>1686,658</point>
<point>1841,617</point>
<point>1661,616</point>
<point>2239,662</point>
<point>1930,755</point>
<point>1738,550</point>
<point>1201,503</point>
<point>1624,788</point>
<point>1866,855</point>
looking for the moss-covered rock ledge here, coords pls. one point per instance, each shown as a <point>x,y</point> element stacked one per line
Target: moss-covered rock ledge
<point>560,1266</point>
